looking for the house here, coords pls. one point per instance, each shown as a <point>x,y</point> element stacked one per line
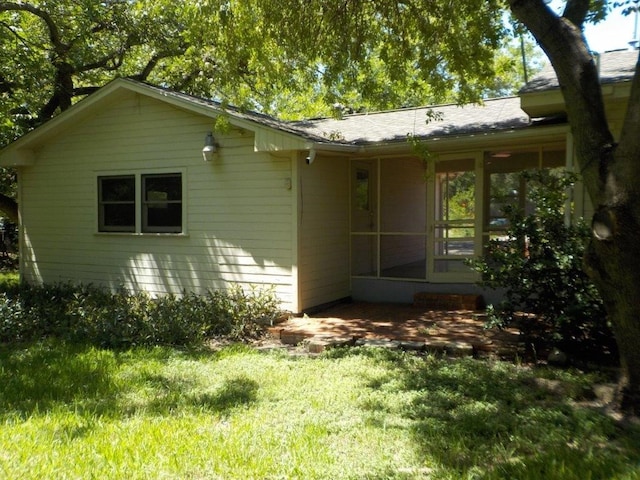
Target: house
<point>116,191</point>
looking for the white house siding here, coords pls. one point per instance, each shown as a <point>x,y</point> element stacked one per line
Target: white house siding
<point>323,213</point>
<point>238,225</point>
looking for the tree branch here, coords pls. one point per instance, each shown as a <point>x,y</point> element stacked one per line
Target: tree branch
<point>48,109</point>
<point>576,12</point>
<point>148,68</point>
<point>115,58</point>
<point>84,91</point>
<point>579,81</point>
<point>54,33</point>
<point>153,62</point>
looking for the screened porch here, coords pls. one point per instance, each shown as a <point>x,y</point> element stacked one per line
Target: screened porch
<point>420,220</point>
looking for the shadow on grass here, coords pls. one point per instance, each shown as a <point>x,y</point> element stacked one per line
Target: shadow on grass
<point>43,376</point>
<point>173,394</point>
<point>51,376</point>
<point>495,420</point>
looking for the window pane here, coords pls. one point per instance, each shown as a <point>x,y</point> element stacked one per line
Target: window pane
<point>162,203</point>
<point>167,215</point>
<point>118,189</point>
<point>162,187</point>
<point>118,217</point>
<point>116,204</point>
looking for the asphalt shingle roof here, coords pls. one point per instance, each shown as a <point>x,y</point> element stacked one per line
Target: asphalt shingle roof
<point>615,66</point>
<point>388,126</point>
<point>396,125</point>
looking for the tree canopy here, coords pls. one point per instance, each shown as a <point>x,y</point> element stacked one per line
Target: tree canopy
<point>291,59</point>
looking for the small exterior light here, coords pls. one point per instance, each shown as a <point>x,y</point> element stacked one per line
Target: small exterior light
<point>210,147</point>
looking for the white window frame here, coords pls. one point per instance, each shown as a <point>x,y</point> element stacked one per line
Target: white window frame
<point>140,222</point>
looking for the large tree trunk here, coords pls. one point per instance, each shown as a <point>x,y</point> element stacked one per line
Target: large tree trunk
<point>614,265</point>
<point>610,173</point>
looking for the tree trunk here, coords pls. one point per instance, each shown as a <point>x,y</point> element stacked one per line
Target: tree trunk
<point>614,265</point>
<point>610,174</point>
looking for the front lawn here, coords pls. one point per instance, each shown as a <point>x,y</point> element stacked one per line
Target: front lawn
<point>69,412</point>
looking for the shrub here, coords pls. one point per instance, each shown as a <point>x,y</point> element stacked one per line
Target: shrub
<point>121,319</point>
<point>241,314</point>
<point>538,265</point>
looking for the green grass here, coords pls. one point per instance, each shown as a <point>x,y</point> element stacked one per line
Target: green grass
<point>69,412</point>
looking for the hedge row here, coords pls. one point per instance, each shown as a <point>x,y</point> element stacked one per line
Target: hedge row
<point>118,320</point>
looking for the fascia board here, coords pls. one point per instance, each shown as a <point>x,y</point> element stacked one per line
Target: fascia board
<point>475,141</point>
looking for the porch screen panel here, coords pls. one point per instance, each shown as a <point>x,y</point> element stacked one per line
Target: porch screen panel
<point>403,195</point>
<point>506,189</point>
<point>454,227</point>
<point>403,256</point>
<point>364,258</point>
<point>403,218</point>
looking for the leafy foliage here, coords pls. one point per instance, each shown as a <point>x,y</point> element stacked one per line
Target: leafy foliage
<point>91,315</point>
<point>538,264</point>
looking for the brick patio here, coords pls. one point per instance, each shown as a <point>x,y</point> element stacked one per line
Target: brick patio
<point>456,332</point>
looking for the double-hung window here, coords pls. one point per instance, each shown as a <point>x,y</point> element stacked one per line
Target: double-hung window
<point>141,203</point>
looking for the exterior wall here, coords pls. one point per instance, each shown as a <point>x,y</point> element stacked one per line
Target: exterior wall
<point>239,218</point>
<point>323,216</point>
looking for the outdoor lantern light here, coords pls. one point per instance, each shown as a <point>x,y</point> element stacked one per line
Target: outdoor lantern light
<point>209,148</point>
<point>311,157</point>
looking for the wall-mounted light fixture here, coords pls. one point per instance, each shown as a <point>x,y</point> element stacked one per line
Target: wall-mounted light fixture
<point>311,157</point>
<point>210,147</point>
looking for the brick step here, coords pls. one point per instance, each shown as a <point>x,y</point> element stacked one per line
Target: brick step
<point>448,301</point>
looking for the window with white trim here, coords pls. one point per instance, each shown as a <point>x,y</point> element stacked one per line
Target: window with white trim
<point>144,203</point>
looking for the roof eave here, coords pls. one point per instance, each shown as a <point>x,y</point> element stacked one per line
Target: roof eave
<point>469,141</point>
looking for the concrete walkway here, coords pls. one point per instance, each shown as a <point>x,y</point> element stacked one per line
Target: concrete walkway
<point>455,332</point>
